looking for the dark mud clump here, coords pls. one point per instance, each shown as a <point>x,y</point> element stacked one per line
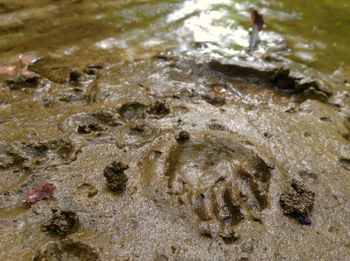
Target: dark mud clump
<point>182,137</point>
<point>116,178</point>
<point>345,163</point>
<point>62,223</point>
<point>214,100</point>
<point>66,250</point>
<point>92,69</point>
<point>159,108</point>
<point>298,203</point>
<point>75,76</point>
<point>89,128</point>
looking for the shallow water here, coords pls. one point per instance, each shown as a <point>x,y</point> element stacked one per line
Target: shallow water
<point>317,33</point>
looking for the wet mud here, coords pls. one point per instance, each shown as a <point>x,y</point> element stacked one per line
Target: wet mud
<point>62,223</point>
<point>66,250</point>
<point>174,158</point>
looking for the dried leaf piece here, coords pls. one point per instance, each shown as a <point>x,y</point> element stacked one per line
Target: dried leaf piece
<point>35,195</point>
<point>62,223</point>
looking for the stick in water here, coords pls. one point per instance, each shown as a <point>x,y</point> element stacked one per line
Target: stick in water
<point>258,24</point>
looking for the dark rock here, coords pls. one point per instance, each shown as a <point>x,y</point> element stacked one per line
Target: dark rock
<point>116,178</point>
<point>62,223</point>
<point>298,202</point>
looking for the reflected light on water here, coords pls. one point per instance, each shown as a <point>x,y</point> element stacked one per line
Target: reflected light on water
<point>215,23</point>
<point>138,29</point>
<point>204,24</point>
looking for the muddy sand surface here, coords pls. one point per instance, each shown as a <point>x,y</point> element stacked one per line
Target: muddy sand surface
<point>174,158</point>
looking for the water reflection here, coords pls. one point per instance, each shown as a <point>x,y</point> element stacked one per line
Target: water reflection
<point>316,32</point>
<point>223,27</point>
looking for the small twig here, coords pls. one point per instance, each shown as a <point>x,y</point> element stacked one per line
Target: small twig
<point>258,25</point>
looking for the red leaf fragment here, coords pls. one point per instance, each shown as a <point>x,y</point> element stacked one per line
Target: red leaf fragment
<point>257,19</point>
<point>35,195</point>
